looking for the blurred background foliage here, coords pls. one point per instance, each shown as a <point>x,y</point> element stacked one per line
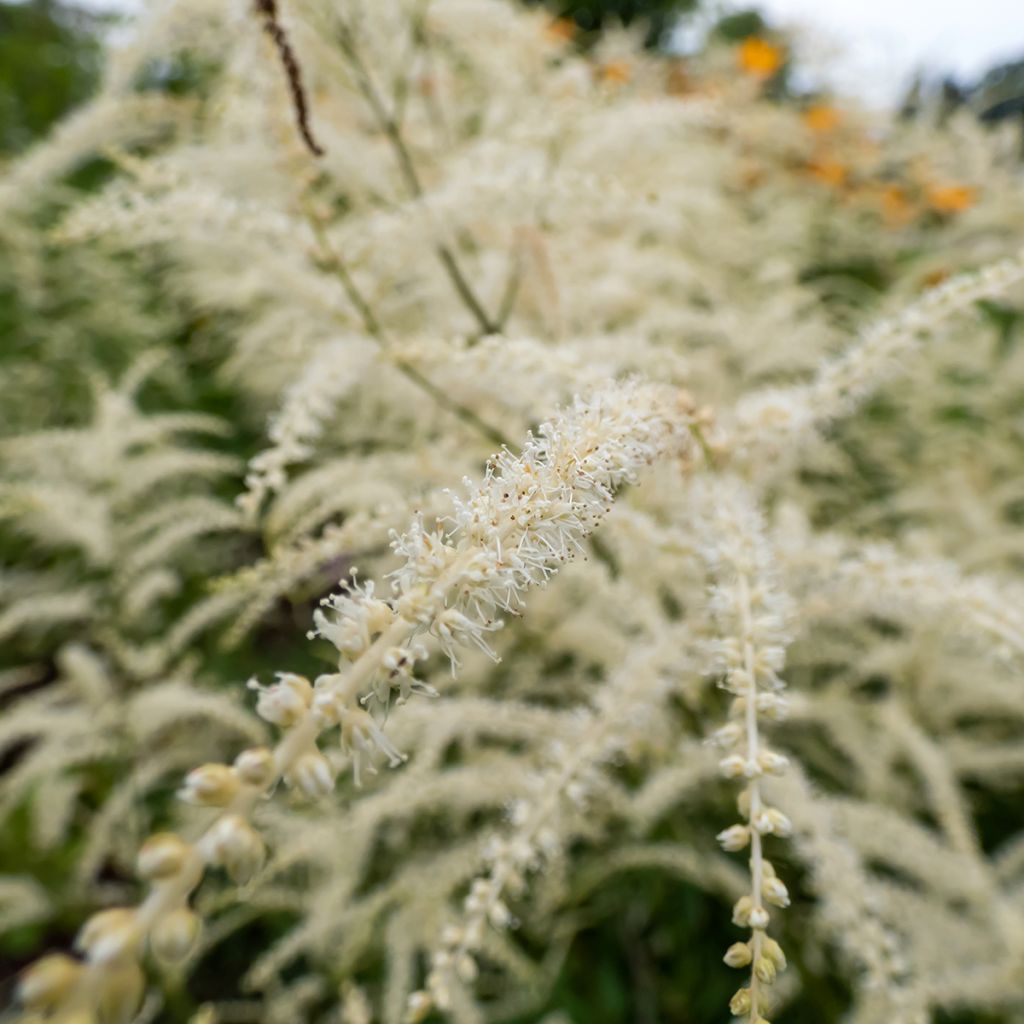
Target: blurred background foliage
<point>50,57</point>
<point>51,52</point>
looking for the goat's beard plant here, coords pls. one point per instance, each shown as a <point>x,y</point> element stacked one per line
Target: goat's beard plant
<point>426,241</point>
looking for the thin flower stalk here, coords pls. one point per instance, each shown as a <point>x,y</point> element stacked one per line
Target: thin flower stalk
<point>751,617</point>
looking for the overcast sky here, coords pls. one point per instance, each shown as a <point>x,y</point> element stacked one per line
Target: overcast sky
<point>872,47</point>
<point>880,43</point>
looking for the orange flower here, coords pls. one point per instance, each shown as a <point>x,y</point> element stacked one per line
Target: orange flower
<point>615,72</point>
<point>828,171</point>
<point>950,199</point>
<point>821,118</point>
<point>896,205</point>
<point>759,58</point>
<point>561,30</point>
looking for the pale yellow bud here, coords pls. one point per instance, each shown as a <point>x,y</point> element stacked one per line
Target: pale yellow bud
<point>108,935</point>
<point>758,918</point>
<point>285,702</point>
<point>237,846</point>
<point>162,856</point>
<point>739,1005</point>
<point>120,993</point>
<point>738,954</point>
<point>734,838</point>
<point>773,951</point>
<point>775,892</point>
<point>255,767</point>
<point>174,936</point>
<point>311,775</point>
<point>45,984</point>
<point>764,969</point>
<point>741,911</point>
<point>211,785</point>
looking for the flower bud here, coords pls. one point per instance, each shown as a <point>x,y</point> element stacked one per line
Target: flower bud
<point>120,993</point>
<point>108,935</point>
<point>738,954</point>
<point>734,838</point>
<point>162,855</point>
<point>211,785</point>
<point>774,822</point>
<point>741,911</point>
<point>728,736</point>
<point>284,703</point>
<point>775,892</point>
<point>255,767</point>
<point>758,918</point>
<point>764,970</point>
<point>771,949</point>
<point>733,766</point>
<point>739,1005</point>
<point>237,846</point>
<point>46,983</point>
<point>312,775</point>
<point>773,763</point>
<point>174,935</point>
<point>772,706</point>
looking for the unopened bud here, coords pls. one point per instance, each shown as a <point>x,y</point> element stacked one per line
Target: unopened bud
<point>739,1005</point>
<point>311,775</point>
<point>237,846</point>
<point>758,918</point>
<point>733,766</point>
<point>120,993</point>
<point>773,763</point>
<point>162,856</point>
<point>734,838</point>
<point>775,892</point>
<point>174,935</point>
<point>211,785</point>
<point>741,911</point>
<point>255,767</point>
<point>108,935</point>
<point>764,970</point>
<point>771,949</point>
<point>45,984</point>
<point>284,703</point>
<point>738,955</point>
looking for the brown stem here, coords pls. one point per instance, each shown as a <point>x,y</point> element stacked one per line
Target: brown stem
<point>267,10</point>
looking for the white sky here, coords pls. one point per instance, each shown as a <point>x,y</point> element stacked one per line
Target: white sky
<point>878,44</point>
<point>871,48</point>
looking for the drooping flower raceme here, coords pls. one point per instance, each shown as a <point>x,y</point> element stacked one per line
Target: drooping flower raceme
<point>751,614</point>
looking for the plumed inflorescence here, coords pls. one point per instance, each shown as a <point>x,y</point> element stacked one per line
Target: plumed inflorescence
<point>715,653</point>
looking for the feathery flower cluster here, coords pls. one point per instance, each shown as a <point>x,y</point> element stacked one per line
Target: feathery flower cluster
<point>531,510</point>
<point>623,710</point>
<point>751,615</point>
<point>308,403</point>
<point>773,421</point>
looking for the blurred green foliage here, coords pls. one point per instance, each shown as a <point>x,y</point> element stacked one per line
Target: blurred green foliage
<point>50,58</point>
